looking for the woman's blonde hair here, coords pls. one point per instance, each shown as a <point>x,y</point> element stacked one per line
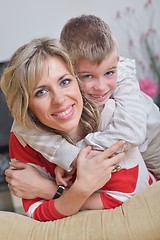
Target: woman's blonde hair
<point>22,73</point>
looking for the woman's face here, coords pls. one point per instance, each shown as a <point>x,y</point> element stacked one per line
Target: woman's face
<point>56,100</point>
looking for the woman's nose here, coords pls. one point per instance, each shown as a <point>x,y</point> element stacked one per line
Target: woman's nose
<point>58,98</point>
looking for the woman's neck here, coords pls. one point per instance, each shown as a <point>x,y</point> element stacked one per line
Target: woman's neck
<point>77,134</point>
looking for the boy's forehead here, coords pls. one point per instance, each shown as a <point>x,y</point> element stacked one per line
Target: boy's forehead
<point>111,60</point>
<point>85,65</point>
<point>97,58</point>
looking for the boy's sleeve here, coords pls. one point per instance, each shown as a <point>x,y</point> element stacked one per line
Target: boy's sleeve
<point>52,146</point>
<point>129,120</point>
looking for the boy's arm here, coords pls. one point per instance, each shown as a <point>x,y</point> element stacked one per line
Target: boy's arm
<point>52,146</point>
<point>130,110</point>
<point>129,120</point>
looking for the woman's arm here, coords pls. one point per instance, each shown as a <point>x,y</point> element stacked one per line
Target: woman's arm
<point>92,173</point>
<point>17,177</point>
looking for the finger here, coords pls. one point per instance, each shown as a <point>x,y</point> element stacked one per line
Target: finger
<point>19,194</point>
<point>116,167</point>
<point>85,151</point>
<point>11,188</point>
<point>114,148</point>
<point>11,182</point>
<point>18,165</point>
<point>8,179</point>
<point>8,172</point>
<point>66,180</point>
<point>116,159</point>
<point>61,182</point>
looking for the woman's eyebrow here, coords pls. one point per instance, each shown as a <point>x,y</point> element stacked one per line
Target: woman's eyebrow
<point>59,79</point>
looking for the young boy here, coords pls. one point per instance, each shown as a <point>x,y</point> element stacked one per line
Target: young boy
<point>136,118</point>
<point>96,58</point>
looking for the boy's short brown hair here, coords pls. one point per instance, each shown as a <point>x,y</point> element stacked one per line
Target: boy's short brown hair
<point>88,37</point>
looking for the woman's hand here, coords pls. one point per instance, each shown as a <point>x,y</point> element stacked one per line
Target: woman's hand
<point>94,172</point>
<point>25,181</point>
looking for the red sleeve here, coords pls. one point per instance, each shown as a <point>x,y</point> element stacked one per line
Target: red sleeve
<point>42,210</point>
<point>39,209</point>
<point>47,212</point>
<point>23,153</point>
<point>109,202</point>
<point>120,188</point>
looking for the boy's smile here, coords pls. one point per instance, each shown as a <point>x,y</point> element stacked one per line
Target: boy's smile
<point>99,81</point>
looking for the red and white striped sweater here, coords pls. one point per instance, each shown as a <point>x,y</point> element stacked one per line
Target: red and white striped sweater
<point>133,178</point>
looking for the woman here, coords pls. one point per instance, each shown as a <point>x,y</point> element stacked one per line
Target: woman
<point>42,91</point>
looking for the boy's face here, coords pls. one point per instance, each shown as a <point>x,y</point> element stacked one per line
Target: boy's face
<point>99,81</point>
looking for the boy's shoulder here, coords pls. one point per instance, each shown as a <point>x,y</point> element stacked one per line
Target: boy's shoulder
<point>126,68</point>
<point>126,62</point>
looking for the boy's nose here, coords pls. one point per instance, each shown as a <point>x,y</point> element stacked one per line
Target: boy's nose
<point>100,85</point>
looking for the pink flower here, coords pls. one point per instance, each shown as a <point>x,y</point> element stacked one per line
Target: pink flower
<point>149,87</point>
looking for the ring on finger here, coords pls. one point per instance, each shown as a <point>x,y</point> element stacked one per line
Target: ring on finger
<point>116,167</point>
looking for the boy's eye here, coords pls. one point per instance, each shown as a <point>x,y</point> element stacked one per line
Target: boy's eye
<point>110,73</point>
<point>86,77</point>
<point>65,82</point>
<point>41,92</point>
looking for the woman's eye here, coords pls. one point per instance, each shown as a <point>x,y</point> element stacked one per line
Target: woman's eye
<point>65,82</point>
<point>41,92</point>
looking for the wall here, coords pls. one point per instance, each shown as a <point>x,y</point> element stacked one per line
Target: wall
<point>23,20</point>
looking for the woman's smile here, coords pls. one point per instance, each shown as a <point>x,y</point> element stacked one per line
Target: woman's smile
<point>64,114</point>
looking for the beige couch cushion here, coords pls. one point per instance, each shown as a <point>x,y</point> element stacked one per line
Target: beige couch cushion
<point>136,219</point>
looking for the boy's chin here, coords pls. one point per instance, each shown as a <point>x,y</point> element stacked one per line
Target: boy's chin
<point>101,102</point>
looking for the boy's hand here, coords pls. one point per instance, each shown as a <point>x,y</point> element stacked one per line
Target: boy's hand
<point>62,177</point>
